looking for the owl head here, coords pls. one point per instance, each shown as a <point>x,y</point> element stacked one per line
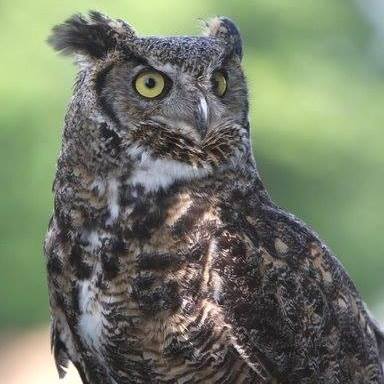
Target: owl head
<point>181,99</point>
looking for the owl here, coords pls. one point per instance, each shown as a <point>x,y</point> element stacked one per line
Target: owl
<point>167,260</point>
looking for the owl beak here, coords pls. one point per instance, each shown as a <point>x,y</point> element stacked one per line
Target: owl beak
<point>201,116</point>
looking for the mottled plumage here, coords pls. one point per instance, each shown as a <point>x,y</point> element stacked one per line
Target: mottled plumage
<point>167,260</point>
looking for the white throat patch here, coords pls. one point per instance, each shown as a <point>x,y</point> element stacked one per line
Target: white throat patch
<point>154,174</point>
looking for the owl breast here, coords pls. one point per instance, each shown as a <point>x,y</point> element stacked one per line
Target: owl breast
<point>146,291</point>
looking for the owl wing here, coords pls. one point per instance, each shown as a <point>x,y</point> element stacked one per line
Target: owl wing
<point>291,305</point>
<point>62,342</point>
<point>64,345</point>
<point>60,339</point>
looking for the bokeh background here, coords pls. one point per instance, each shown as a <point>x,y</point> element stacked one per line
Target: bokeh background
<point>316,76</point>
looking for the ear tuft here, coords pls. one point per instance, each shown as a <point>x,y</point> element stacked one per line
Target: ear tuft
<point>224,28</point>
<point>93,36</point>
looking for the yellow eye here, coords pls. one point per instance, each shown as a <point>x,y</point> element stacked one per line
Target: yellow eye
<point>219,82</point>
<point>149,84</point>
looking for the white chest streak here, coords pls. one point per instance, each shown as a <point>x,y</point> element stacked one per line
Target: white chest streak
<point>203,106</point>
<point>90,321</point>
<point>113,201</point>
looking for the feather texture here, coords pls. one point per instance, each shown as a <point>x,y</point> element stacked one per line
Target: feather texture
<point>167,260</point>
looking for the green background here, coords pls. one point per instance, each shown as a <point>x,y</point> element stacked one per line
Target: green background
<point>317,110</point>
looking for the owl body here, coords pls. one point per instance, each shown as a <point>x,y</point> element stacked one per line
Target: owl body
<point>167,260</point>
<point>153,316</point>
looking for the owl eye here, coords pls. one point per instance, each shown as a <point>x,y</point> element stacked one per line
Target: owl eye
<point>219,83</point>
<point>150,84</point>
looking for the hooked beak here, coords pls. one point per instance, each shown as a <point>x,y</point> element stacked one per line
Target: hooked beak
<point>201,116</point>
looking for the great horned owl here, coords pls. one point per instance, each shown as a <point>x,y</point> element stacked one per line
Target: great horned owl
<point>167,260</point>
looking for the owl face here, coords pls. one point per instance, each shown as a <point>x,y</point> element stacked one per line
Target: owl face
<point>179,98</point>
<point>188,93</point>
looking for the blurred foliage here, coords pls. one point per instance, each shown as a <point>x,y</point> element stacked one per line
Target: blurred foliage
<point>317,97</point>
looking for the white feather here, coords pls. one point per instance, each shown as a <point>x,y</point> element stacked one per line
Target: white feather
<point>90,321</point>
<point>93,241</point>
<point>204,107</point>
<point>113,201</point>
<point>155,174</point>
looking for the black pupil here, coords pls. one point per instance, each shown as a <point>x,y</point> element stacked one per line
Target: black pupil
<point>150,82</point>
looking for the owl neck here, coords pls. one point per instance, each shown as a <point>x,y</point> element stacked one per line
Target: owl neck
<point>143,171</point>
<point>154,173</point>
<point>162,157</point>
<point>156,158</point>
